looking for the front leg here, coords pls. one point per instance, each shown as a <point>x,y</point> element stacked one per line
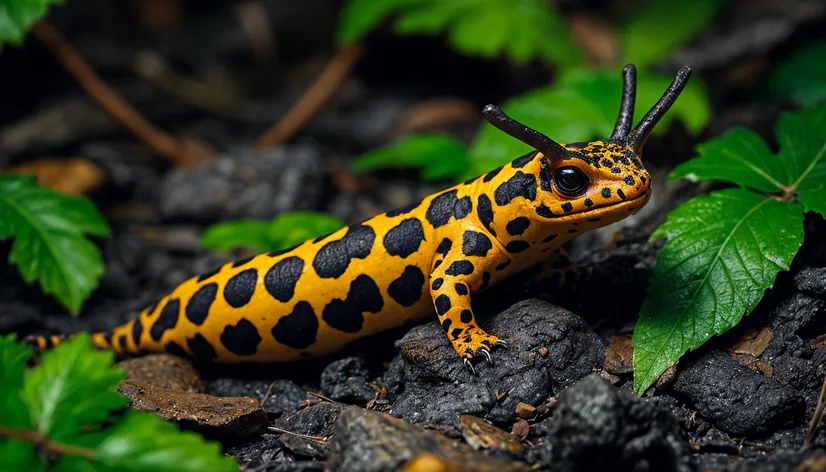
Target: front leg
<point>462,269</point>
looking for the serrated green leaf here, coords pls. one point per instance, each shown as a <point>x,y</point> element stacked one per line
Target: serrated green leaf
<point>723,251</point>
<point>740,156</point>
<point>20,455</point>
<point>803,76</point>
<point>802,140</point>
<point>660,27</point>
<point>813,200</point>
<point>49,245</point>
<point>582,106</point>
<point>359,17</point>
<point>13,357</point>
<point>229,235</point>
<point>143,442</point>
<point>73,388</point>
<point>286,230</point>
<point>18,16</point>
<point>439,156</point>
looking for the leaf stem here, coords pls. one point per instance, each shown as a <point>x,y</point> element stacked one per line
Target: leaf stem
<point>42,442</point>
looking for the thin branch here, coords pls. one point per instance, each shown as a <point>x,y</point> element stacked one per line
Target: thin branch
<point>109,100</point>
<point>42,442</point>
<point>334,73</point>
<point>816,418</point>
<point>305,436</point>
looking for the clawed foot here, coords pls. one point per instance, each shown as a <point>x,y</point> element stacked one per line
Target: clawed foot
<point>482,351</point>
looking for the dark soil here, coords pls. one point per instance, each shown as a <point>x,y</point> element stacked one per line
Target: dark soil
<point>563,386</point>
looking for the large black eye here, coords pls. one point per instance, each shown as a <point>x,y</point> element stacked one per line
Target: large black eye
<point>570,181</point>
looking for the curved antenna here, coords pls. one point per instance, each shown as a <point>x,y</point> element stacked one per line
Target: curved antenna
<point>629,95</point>
<point>638,136</point>
<point>529,136</point>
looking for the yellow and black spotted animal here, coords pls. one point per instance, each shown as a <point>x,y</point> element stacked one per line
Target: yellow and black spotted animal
<point>396,267</point>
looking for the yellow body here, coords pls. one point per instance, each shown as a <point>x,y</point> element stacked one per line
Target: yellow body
<point>396,267</point>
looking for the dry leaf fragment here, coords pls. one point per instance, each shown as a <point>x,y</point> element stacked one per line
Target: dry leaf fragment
<point>74,176</point>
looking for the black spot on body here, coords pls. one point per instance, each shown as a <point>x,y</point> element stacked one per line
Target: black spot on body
<point>442,303</point>
<point>241,262</point>
<point>197,309</point>
<point>490,175</point>
<point>517,246</point>
<point>175,349</point>
<point>606,192</point>
<point>485,281</point>
<point>404,209</point>
<point>518,225</point>
<point>503,265</point>
<point>405,238</point>
<point>466,316</point>
<point>520,162</point>
<point>461,289</point>
<point>595,219</point>
<point>607,162</point>
<point>151,309</point>
<point>281,279</point>
<point>348,315</point>
<point>567,207</point>
<point>299,329</point>
<point>642,179</point>
<point>239,289</point>
<point>484,210</point>
<point>621,194</point>
<point>137,332</point>
<point>437,284</point>
<point>444,247</point>
<point>463,208</point>
<point>201,348</point>
<point>284,251</point>
<point>460,268</point>
<point>446,324</point>
<point>588,202</point>
<point>629,180</point>
<point>123,342</point>
<point>456,331</point>
<point>333,258</point>
<point>475,243</point>
<point>549,238</point>
<point>441,209</point>
<point>520,185</point>
<point>241,339</point>
<point>545,212</point>
<point>407,289</point>
<point>209,274</point>
<point>616,170</point>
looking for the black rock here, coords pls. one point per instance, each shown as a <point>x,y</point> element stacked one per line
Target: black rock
<point>284,397</point>
<point>246,185</point>
<point>811,281</point>
<point>549,348</point>
<point>304,433</point>
<point>347,380</point>
<point>735,398</point>
<point>595,426</point>
<point>783,461</point>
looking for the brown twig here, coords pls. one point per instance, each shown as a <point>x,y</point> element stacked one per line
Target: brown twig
<point>313,99</point>
<point>816,418</point>
<point>318,395</point>
<point>41,442</point>
<point>109,100</point>
<point>305,436</point>
<point>267,395</point>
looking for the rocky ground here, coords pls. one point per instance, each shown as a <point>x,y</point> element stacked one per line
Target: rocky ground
<point>558,399</point>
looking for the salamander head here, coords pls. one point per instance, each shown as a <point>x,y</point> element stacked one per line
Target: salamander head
<point>602,181</point>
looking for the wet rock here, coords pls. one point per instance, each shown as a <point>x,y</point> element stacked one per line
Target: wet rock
<point>265,449</point>
<point>595,426</point>
<point>735,398</point>
<point>371,441</point>
<point>347,380</point>
<point>479,434</point>
<point>284,396</point>
<point>811,281</point>
<point>165,371</point>
<point>432,370</point>
<point>305,433</point>
<point>248,184</point>
<point>230,418</point>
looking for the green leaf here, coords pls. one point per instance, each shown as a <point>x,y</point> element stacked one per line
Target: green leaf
<point>143,442</point>
<point>18,16</point>
<point>439,156</point>
<point>49,244</point>
<point>13,357</point>
<point>20,455</point>
<point>522,29</point>
<point>739,156</point>
<point>72,388</point>
<point>802,139</point>
<point>813,200</point>
<point>582,106</point>
<point>803,76</point>
<point>359,17</point>
<point>653,33</point>
<point>286,230</point>
<point>723,251</point>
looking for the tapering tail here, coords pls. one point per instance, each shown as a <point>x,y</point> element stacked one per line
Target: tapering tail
<point>118,339</point>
